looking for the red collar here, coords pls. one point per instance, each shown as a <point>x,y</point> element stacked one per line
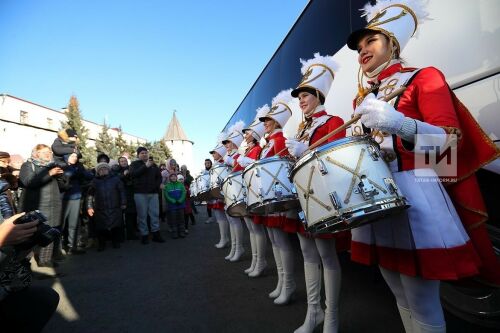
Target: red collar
<point>317,114</point>
<point>274,135</point>
<point>389,71</point>
<point>249,149</point>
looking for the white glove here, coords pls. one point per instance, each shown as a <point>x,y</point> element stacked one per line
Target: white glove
<point>244,161</point>
<point>228,160</point>
<point>295,148</point>
<point>379,114</point>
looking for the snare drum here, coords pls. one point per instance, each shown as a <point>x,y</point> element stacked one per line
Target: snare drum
<point>344,184</point>
<point>217,175</point>
<point>203,187</point>
<point>192,190</point>
<point>234,195</point>
<point>269,189</point>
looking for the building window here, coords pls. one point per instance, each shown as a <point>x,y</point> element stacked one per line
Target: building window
<point>49,123</point>
<point>23,117</point>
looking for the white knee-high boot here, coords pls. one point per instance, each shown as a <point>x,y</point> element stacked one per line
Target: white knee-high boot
<point>315,315</point>
<point>277,258</point>
<point>289,286</point>
<point>253,245</point>
<point>239,250</point>
<point>233,241</point>
<point>260,245</point>
<point>332,280</point>
<point>406,318</point>
<point>419,327</point>
<point>223,231</point>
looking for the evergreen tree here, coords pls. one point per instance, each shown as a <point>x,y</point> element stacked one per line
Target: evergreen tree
<point>104,143</point>
<point>159,151</point>
<point>74,121</point>
<point>120,143</point>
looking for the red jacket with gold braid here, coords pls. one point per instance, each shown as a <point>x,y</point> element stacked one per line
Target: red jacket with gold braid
<point>278,145</point>
<point>252,153</point>
<point>427,93</point>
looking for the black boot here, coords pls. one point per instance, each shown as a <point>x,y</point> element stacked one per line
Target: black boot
<point>144,240</point>
<point>157,237</point>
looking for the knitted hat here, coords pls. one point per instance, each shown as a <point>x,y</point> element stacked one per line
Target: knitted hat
<point>4,154</point>
<point>101,165</point>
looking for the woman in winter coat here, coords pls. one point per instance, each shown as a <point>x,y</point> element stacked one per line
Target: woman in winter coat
<point>106,201</point>
<point>42,180</point>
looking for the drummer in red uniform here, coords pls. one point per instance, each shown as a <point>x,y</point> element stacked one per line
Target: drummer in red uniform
<point>442,235</point>
<point>318,75</point>
<point>280,224</point>
<point>233,140</point>
<point>253,135</point>
<point>217,205</point>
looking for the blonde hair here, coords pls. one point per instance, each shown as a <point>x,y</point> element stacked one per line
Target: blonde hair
<point>37,148</point>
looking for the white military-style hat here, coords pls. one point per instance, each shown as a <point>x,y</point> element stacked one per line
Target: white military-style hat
<point>397,19</point>
<point>219,148</point>
<point>280,110</point>
<point>235,134</point>
<point>317,75</point>
<point>257,127</point>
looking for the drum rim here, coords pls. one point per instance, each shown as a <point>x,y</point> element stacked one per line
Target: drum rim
<point>349,139</point>
<point>232,175</point>
<point>265,161</point>
<point>398,202</point>
<point>217,167</point>
<point>237,203</point>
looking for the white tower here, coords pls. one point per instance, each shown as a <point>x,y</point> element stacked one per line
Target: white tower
<point>178,143</point>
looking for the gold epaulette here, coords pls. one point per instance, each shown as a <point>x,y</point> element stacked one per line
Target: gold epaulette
<point>407,69</point>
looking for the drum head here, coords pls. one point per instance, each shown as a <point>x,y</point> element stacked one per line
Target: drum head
<point>237,209</point>
<point>274,206</point>
<point>216,193</point>
<point>358,218</point>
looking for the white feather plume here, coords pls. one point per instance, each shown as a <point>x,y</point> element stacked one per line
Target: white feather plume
<point>236,127</point>
<point>284,96</point>
<point>262,111</point>
<point>419,7</point>
<point>319,59</point>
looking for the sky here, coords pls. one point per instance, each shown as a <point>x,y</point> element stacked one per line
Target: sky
<point>132,63</point>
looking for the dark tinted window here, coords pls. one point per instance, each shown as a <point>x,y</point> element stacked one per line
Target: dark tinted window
<point>323,27</point>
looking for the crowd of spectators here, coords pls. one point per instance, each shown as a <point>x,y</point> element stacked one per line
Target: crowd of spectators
<point>79,208</point>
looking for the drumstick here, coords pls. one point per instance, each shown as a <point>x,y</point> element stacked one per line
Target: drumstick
<point>354,119</point>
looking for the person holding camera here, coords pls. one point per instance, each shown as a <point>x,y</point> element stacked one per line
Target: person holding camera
<point>23,308</point>
<point>41,179</point>
<point>77,176</point>
<point>147,179</point>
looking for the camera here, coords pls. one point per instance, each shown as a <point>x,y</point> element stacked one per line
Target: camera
<point>44,234</point>
<point>56,164</point>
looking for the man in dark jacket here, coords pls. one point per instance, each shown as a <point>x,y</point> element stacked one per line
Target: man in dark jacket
<point>65,144</point>
<point>146,179</point>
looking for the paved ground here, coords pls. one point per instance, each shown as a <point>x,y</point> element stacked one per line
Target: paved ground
<point>185,285</point>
